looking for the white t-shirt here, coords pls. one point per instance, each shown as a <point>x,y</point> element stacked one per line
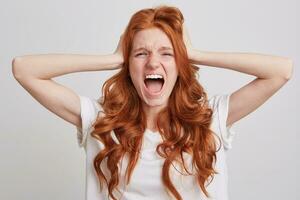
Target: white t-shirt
<point>145,183</point>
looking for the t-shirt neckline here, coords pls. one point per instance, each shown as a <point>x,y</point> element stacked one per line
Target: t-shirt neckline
<point>154,135</point>
<point>147,130</point>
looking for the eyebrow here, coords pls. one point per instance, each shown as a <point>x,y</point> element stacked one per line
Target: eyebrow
<point>161,48</point>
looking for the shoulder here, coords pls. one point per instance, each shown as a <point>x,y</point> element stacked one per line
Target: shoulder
<point>219,103</point>
<point>90,109</point>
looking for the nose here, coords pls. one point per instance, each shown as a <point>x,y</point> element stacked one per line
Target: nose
<point>153,61</point>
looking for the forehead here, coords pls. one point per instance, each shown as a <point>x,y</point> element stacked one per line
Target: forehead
<point>153,38</point>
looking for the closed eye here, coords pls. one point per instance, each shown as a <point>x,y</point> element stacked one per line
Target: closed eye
<point>167,54</point>
<point>140,54</point>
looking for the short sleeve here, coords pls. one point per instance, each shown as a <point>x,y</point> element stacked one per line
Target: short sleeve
<point>220,105</point>
<point>89,109</point>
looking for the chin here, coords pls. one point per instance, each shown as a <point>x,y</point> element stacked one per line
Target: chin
<point>155,102</point>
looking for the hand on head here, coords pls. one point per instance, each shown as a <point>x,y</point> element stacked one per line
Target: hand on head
<point>187,41</point>
<point>119,51</point>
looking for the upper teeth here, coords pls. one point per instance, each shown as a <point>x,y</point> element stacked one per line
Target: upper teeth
<point>154,76</point>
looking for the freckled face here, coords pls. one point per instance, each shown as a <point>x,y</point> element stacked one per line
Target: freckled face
<point>152,53</point>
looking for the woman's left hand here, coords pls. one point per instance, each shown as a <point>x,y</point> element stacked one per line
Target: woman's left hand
<point>187,41</point>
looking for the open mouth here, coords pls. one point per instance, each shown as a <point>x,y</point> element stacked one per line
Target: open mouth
<point>154,85</point>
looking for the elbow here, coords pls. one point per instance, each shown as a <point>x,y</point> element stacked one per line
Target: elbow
<point>17,67</point>
<point>289,69</point>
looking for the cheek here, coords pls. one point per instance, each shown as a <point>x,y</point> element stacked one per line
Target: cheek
<point>136,67</point>
<point>173,73</point>
<point>136,73</point>
<point>174,77</point>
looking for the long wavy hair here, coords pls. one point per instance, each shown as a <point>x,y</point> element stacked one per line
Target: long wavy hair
<point>184,123</point>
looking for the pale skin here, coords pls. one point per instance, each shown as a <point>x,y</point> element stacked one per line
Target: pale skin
<point>35,73</point>
<point>152,53</point>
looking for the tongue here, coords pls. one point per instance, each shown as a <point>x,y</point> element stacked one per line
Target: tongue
<point>154,85</point>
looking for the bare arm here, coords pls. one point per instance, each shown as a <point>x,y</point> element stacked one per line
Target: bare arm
<point>259,65</point>
<point>34,73</point>
<point>47,66</point>
<point>271,72</point>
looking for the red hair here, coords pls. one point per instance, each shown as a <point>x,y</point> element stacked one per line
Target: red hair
<point>184,124</point>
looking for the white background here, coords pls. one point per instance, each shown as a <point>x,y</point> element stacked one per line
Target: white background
<point>40,158</point>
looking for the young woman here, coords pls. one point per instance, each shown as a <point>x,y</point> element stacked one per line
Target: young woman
<point>153,134</point>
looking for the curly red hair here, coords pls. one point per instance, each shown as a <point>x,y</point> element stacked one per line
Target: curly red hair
<point>184,124</point>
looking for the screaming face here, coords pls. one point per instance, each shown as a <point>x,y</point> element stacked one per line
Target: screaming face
<point>152,67</point>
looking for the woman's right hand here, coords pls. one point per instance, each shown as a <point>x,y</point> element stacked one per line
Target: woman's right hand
<point>119,52</point>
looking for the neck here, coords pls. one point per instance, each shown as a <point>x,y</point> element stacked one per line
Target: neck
<point>151,114</point>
